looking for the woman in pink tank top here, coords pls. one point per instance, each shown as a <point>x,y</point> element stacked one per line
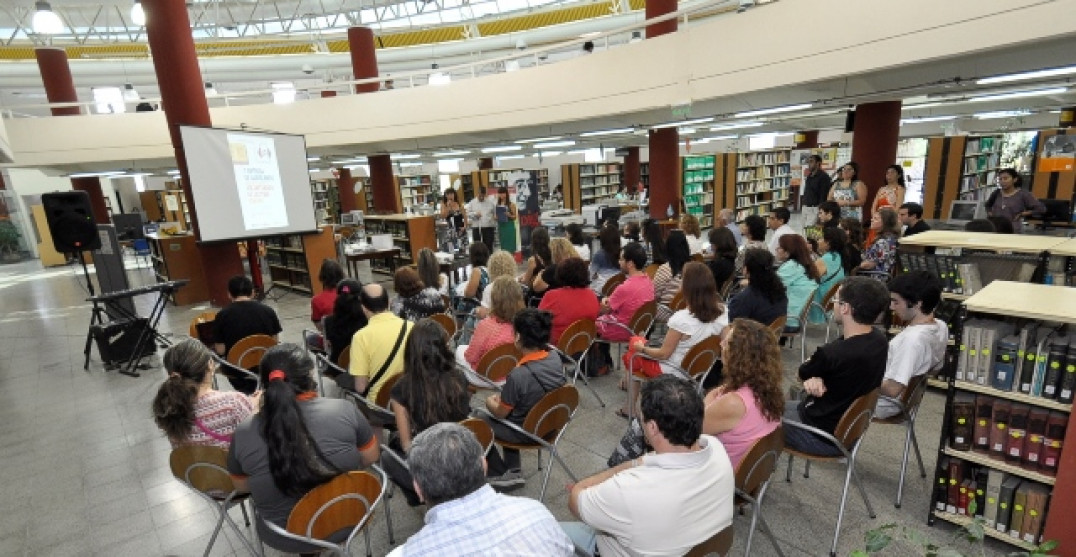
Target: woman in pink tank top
<point>748,404</point>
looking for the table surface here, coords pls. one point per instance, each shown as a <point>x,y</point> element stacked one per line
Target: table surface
<point>369,254</point>
<point>983,240</point>
<point>1021,299</point>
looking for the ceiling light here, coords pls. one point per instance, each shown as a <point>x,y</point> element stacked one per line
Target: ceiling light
<point>1019,95</point>
<point>314,170</point>
<point>552,144</point>
<point>720,137</point>
<point>451,153</point>
<point>1037,74</point>
<point>173,172</point>
<point>1001,114</point>
<point>507,157</point>
<point>313,159</point>
<point>775,110</point>
<point>283,93</point>
<point>926,119</point>
<point>138,15</point>
<point>607,132</point>
<point>735,126</point>
<point>439,78</point>
<point>926,105</point>
<point>502,148</point>
<point>95,174</point>
<point>551,153</point>
<point>682,123</point>
<point>409,164</point>
<point>687,131</point>
<point>45,21</point>
<point>540,139</point>
<point>405,156</point>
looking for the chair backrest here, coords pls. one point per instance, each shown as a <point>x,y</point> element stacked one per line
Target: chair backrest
<point>698,257</point>
<point>204,317</point>
<point>806,308</point>
<point>481,430</point>
<point>343,502</point>
<point>856,420</point>
<point>446,321</point>
<point>577,337</point>
<point>248,352</point>
<point>344,359</point>
<point>385,392</point>
<point>552,413</point>
<point>643,318</point>
<point>720,543</point>
<point>701,357</point>
<point>760,462</point>
<point>651,270</point>
<point>778,325</point>
<point>203,468</point>
<point>726,288</point>
<point>913,393</point>
<point>827,300</point>
<point>496,363</point>
<point>678,303</point>
<point>611,284</point>
<point>141,245</point>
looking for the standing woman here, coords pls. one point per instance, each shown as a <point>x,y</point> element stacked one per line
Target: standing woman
<point>849,192</point>
<point>892,193</point>
<point>1011,202</point>
<point>187,407</point>
<point>506,220</point>
<point>297,442</point>
<point>452,211</point>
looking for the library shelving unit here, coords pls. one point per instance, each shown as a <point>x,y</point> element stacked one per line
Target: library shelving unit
<point>762,182</point>
<point>326,202</point>
<point>175,258</point>
<point>468,181</point>
<point>982,157</point>
<point>166,205</point>
<point>698,187</point>
<point>959,167</point>
<point>416,190</point>
<point>590,183</point>
<point>294,261</point>
<point>480,181</point>
<point>410,233</point>
<point>912,157</point>
<point>1028,453</point>
<point>644,173</point>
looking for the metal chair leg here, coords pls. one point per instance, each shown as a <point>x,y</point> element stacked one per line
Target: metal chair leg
<point>578,375</point>
<point>918,457</point>
<point>788,470</point>
<point>903,464</point>
<point>806,468</point>
<point>388,519</point>
<point>859,486</point>
<point>769,534</point>
<point>840,511</point>
<point>243,507</point>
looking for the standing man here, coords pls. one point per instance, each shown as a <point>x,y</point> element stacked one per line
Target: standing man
<point>911,216</point>
<point>726,218</point>
<point>816,186</point>
<point>778,222</point>
<point>243,317</point>
<point>667,501</point>
<point>483,209</point>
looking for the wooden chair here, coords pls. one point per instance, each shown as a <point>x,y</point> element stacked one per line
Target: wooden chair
<point>544,426</point>
<point>778,325</point>
<point>846,438</point>
<point>827,306</point>
<point>753,479</point>
<point>908,405</point>
<point>482,431</point>
<point>201,319</point>
<point>611,284</point>
<point>447,322</point>
<point>205,471</point>
<point>493,367</point>
<point>801,330</point>
<point>248,352</point>
<point>678,302</point>
<point>720,544</point>
<point>639,325</point>
<point>651,270</point>
<point>697,363</point>
<point>336,510</point>
<point>576,339</point>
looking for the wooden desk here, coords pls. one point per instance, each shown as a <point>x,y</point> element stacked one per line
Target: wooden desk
<point>1017,243</point>
<point>1066,248</point>
<point>389,255</point>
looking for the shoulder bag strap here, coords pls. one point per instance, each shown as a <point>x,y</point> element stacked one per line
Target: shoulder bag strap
<point>388,361</point>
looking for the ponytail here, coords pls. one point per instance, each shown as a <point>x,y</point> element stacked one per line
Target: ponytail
<point>173,408</point>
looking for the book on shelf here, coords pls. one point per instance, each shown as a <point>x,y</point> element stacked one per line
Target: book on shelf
<point>1052,442</point>
<point>962,429</point>
<point>994,478</point>
<point>1056,358</point>
<point>1034,513</point>
<point>1027,341</point>
<point>967,491</point>
<point>1014,445</point>
<point>970,279</point>
<point>999,425</point>
<point>956,475</point>
<point>984,412</point>
<point>981,475</point>
<point>941,489</point>
<point>1004,363</point>
<point>1019,501</point>
<point>1036,433</point>
<point>1067,383</point>
<point>1005,501</point>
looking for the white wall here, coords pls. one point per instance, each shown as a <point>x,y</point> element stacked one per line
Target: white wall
<point>6,154</point>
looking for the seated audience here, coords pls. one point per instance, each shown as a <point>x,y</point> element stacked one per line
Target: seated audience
<point>652,505</point>
<point>778,223</point>
<point>346,319</point>
<point>799,275</point>
<point>605,263</point>
<point>496,329</point>
<point>429,392</point>
<point>501,264</point>
<point>413,300</point>
<point>764,298</point>
<point>619,307</point>
<point>429,270</point>
<point>689,225</point>
<point>833,247</point>
<point>243,317</point>
<point>854,229</point>
<point>538,372</point>
<point>561,249</point>
<point>477,280</point>
<point>540,256</point>
<point>829,214</point>
<point>377,348</point>
<point>579,242</point>
<point>466,516</point>
<point>911,216</point>
<point>753,229</point>
<point>296,442</point>
<point>321,304</point>
<point>188,409</point>
<point>631,233</point>
<point>723,246</point>
<point>748,404</point>
<point>655,242</point>
<point>726,218</point>
<point>843,370</point>
<point>920,345</point>
<point>573,300</point>
<point>667,279</point>
<point>881,255</point>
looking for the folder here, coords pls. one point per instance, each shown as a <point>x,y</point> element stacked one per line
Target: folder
<point>1019,502</point>
<point>962,428</point>
<point>1004,368</point>
<point>1055,364</point>
<point>981,477</point>
<point>999,429</point>
<point>984,411</point>
<point>1014,445</point>
<point>1036,433</point>
<point>993,492</point>
<point>941,490</point>
<point>1034,513</point>
<point>1051,444</point>
<point>1005,502</point>
<point>956,475</point>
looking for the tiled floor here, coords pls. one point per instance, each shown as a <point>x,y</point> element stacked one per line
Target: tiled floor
<point>84,471</point>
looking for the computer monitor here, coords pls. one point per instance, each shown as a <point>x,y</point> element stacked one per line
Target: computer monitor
<point>963,212</point>
<point>1057,210</point>
<point>128,226</point>
<point>608,213</point>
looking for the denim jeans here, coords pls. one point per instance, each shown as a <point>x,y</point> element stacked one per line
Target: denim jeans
<point>803,440</point>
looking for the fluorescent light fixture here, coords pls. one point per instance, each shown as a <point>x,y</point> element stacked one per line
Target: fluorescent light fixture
<point>357,160</point>
<point>138,15</point>
<point>502,148</point>
<point>448,166</point>
<point>440,78</point>
<point>551,153</point>
<point>509,157</point>
<point>926,119</point>
<point>607,132</point>
<point>405,156</point>
<point>1001,114</point>
<point>682,123</point>
<point>762,141</point>
<point>1019,95</point>
<point>576,152</point>
<point>451,153</point>
<point>95,174</point>
<point>283,93</point>
<point>1037,74</point>
<point>593,155</point>
<point>552,144</point>
<point>108,100</point>
<point>408,164</point>
<point>314,170</point>
<point>511,66</point>
<point>735,126</point>
<point>173,172</point>
<point>313,159</point>
<point>540,139</point>
<point>720,137</point>
<point>45,21</point>
<point>926,105</point>
<point>775,110</point>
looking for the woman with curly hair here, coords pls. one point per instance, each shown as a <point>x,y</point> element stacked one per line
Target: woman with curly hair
<point>690,225</point>
<point>798,273</point>
<point>748,404</point>
<point>495,330</point>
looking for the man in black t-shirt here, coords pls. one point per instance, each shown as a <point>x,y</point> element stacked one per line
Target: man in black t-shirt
<point>843,370</point>
<point>242,318</point>
<point>911,216</point>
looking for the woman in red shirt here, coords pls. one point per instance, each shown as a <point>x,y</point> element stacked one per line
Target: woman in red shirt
<point>330,275</point>
<point>573,300</point>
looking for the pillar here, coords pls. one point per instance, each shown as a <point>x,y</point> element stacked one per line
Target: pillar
<point>383,184</point>
<point>364,65</point>
<point>345,191</point>
<point>658,8</point>
<point>806,139</point>
<point>632,171</point>
<point>1067,119</point>
<point>175,62</point>
<point>92,186</point>
<point>874,144</point>
<point>485,163</point>
<point>664,170</point>
<point>326,94</point>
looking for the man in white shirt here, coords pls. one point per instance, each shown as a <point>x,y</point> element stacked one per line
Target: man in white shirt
<point>778,222</point>
<point>920,347</point>
<point>482,212</point>
<point>665,502</point>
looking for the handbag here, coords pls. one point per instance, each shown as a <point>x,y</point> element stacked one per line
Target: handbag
<point>631,445</point>
<point>638,364</point>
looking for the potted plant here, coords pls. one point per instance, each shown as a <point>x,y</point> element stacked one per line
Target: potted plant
<point>9,241</point>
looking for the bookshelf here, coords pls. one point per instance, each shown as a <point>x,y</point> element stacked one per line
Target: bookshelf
<point>1012,436</point>
<point>417,190</point>
<point>644,174</point>
<point>167,206</point>
<point>698,187</point>
<point>410,233</point>
<point>982,157</point>
<point>468,182</point>
<point>294,261</point>
<point>591,183</point>
<point>762,182</point>
<point>174,258</point>
<point>912,157</point>
<point>326,201</point>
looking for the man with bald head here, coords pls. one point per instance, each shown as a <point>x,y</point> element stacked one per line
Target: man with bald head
<point>377,350</point>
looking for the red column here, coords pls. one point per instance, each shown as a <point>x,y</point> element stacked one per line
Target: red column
<point>92,186</point>
<point>874,145</point>
<point>658,8</point>
<point>175,61</point>
<point>631,169</point>
<point>1067,118</point>
<point>383,184</point>
<point>59,84</point>
<point>345,190</point>
<point>485,163</point>
<point>806,139</point>
<point>664,170</point>
<point>326,94</point>
<point>363,57</point>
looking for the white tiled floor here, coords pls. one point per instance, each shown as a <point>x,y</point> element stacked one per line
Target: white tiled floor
<point>84,471</point>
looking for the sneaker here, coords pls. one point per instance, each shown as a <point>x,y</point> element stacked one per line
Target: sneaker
<point>510,479</point>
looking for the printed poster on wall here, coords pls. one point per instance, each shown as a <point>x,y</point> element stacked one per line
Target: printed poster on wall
<point>1058,154</point>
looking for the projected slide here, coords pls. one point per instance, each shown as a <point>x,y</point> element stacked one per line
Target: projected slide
<point>257,180</point>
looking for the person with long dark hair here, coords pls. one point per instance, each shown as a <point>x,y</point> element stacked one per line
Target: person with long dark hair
<point>297,442</point>
<point>579,242</point>
<point>1012,202</point>
<point>881,255</point>
<point>506,220</point>
<point>829,214</point>
<point>753,229</point>
<point>188,409</point>
<point>764,298</point>
<point>429,270</point>
<point>329,276</point>
<point>833,246</point>
<point>798,273</point>
<point>346,319</point>
<point>413,300</point>
<point>654,241</point>
<point>849,191</point>
<point>892,193</point>
<point>723,246</point>
<point>606,262</point>
<point>670,274</point>
<point>854,229</point>
<point>429,392</point>
<point>540,256</point>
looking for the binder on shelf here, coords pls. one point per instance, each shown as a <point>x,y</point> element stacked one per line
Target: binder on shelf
<point>941,489</point>
<point>994,478</point>
<point>1005,363</point>
<point>1005,502</point>
<point>1042,351</point>
<point>967,493</point>
<point>984,409</point>
<point>1024,354</point>
<point>999,431</point>
<point>1034,513</point>
<point>1019,502</point>
<point>1055,364</point>
<point>1068,379</point>
<point>970,279</point>
<point>1052,442</point>
<point>989,337</point>
<point>962,429</point>
<point>1014,445</point>
<point>981,475</point>
<point>956,473</point>
<point>1036,434</point>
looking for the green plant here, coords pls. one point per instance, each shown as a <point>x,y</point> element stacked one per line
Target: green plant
<point>970,536</point>
<point>9,238</point>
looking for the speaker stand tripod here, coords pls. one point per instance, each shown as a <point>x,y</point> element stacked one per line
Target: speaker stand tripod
<point>98,317</point>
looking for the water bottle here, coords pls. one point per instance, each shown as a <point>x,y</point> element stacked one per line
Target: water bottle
<point>669,211</point>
